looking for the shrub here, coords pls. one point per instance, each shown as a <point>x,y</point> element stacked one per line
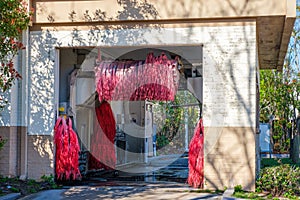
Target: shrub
<point>13,189</point>
<point>162,141</point>
<point>272,162</point>
<point>50,180</point>
<point>282,180</point>
<point>238,188</point>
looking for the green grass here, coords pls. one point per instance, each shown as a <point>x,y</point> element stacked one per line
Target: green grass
<point>248,195</point>
<point>13,189</point>
<point>200,191</point>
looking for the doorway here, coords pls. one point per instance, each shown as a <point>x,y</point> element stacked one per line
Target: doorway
<point>151,135</point>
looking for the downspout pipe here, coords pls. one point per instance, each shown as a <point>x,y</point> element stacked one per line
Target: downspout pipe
<point>25,93</point>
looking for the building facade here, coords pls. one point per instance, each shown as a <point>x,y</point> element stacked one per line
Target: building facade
<point>235,39</point>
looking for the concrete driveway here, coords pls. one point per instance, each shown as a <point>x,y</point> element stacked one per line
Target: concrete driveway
<point>132,191</point>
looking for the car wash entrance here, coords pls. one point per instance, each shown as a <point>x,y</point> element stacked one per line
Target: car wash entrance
<point>134,109</point>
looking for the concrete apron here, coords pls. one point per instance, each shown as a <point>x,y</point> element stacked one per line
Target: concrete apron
<point>162,190</point>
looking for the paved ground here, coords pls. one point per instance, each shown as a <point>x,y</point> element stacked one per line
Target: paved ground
<point>135,182</point>
<point>132,191</point>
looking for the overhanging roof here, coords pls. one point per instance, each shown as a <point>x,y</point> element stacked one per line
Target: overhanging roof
<point>275,18</point>
<point>273,36</point>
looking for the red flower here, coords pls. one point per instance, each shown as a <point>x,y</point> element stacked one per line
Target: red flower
<point>10,65</point>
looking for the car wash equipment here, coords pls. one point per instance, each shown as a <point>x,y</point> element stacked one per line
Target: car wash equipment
<point>66,150</point>
<point>196,157</point>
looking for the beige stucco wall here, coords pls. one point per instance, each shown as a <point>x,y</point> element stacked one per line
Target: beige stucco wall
<point>229,158</point>
<point>275,18</point>
<point>60,11</point>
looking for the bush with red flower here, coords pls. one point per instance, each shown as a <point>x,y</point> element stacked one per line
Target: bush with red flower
<point>14,18</point>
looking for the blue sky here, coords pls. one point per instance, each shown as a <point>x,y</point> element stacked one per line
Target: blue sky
<point>294,53</point>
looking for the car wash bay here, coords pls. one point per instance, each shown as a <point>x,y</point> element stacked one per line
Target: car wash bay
<point>155,106</point>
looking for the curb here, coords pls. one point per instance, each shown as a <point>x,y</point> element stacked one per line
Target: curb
<point>11,196</point>
<point>45,194</point>
<point>227,195</point>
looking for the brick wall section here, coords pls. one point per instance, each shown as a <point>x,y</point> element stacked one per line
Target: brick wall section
<point>4,153</point>
<point>12,155</point>
<point>22,133</point>
<point>8,155</point>
<point>40,156</point>
<point>13,151</point>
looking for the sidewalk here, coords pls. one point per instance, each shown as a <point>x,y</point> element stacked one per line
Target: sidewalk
<point>126,191</point>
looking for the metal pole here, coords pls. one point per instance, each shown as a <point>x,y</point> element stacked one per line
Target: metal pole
<point>186,125</point>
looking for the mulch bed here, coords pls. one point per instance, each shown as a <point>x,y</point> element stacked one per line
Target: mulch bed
<point>24,187</point>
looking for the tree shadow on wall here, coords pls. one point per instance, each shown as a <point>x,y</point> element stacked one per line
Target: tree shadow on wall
<point>43,58</point>
<point>104,30</point>
<point>115,34</point>
<point>244,93</point>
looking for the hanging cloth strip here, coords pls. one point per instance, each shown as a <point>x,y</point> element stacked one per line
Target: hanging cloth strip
<point>196,157</point>
<point>102,154</point>
<point>156,78</point>
<point>67,149</point>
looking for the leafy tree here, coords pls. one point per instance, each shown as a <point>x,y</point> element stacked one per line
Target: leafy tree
<point>279,97</point>
<point>14,17</point>
<point>170,116</point>
<point>280,94</point>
